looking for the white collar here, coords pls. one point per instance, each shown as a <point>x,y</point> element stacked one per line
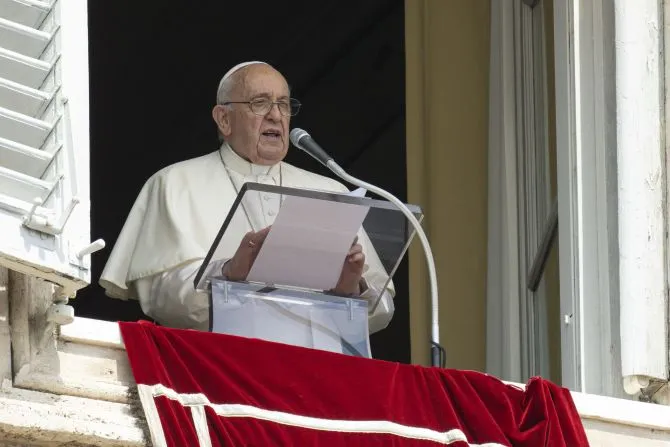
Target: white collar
<point>238,164</point>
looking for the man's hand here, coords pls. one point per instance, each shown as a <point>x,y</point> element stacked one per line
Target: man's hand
<point>352,271</point>
<point>237,268</point>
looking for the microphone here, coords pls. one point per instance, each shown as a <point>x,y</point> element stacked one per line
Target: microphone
<point>303,140</point>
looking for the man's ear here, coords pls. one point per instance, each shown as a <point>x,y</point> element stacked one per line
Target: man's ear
<point>221,116</point>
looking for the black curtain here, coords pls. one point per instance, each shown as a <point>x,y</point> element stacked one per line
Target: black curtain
<point>154,69</point>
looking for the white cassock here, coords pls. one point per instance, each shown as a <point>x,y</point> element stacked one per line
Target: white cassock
<point>174,221</point>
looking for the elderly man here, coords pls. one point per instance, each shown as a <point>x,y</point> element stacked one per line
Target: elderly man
<point>181,207</point>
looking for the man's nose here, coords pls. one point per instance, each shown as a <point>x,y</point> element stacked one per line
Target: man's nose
<point>274,112</point>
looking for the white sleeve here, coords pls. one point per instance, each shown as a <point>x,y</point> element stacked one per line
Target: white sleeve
<point>171,299</point>
<point>381,316</point>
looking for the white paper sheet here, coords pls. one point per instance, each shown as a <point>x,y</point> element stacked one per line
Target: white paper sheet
<point>308,243</point>
<point>359,192</point>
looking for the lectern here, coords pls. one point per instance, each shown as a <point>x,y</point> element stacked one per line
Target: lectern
<point>288,296</point>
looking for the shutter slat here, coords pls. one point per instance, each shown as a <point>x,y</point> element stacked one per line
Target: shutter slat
<point>25,70</point>
<point>23,129</point>
<point>23,187</point>
<point>21,207</point>
<point>23,39</point>
<point>24,159</point>
<point>25,12</point>
<point>23,99</point>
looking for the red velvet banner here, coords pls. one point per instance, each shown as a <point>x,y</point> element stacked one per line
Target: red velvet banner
<point>201,389</point>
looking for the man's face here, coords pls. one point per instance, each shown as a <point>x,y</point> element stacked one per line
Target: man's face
<point>261,139</point>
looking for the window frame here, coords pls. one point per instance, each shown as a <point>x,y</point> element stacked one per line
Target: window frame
<point>588,235</point>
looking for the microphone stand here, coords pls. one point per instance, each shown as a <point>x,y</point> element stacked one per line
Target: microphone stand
<point>437,351</point>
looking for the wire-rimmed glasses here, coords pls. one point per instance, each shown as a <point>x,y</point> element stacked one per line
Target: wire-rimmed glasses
<point>262,106</point>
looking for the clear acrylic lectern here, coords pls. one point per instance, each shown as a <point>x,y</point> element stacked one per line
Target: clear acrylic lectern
<point>288,296</point>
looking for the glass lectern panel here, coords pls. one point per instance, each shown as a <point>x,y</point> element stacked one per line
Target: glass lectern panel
<point>294,317</point>
<point>310,234</point>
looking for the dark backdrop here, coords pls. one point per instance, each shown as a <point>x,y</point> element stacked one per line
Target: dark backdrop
<point>154,69</point>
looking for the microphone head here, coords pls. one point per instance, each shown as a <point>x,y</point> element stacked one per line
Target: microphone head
<point>296,135</point>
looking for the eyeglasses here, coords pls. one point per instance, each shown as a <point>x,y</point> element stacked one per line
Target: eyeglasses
<point>261,106</point>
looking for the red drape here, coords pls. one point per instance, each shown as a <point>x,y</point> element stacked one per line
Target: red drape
<point>199,387</point>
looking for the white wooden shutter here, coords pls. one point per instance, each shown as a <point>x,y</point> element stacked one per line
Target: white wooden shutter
<point>44,141</point>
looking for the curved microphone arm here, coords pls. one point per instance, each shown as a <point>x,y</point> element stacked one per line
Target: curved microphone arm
<point>437,352</point>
